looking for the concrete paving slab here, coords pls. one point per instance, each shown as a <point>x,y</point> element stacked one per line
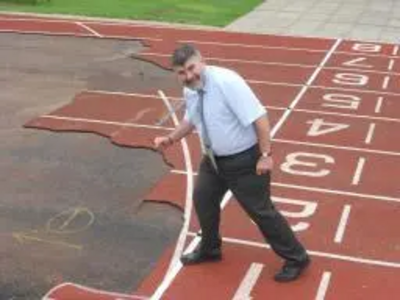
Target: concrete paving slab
<point>325,7</point>
<point>306,28</point>
<point>380,7</point>
<point>389,35</point>
<point>350,9</point>
<point>349,19</point>
<point>298,7</point>
<point>374,20</point>
<point>335,29</point>
<point>366,32</point>
<point>315,17</point>
<point>395,22</point>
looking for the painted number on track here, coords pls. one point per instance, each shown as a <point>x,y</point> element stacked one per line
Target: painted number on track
<point>320,127</point>
<point>301,210</point>
<point>351,79</point>
<point>307,164</point>
<point>344,101</point>
<point>368,48</point>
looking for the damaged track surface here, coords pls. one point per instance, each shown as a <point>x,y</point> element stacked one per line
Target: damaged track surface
<point>72,206</point>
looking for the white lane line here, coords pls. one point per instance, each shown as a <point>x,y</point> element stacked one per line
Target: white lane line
<point>175,264</point>
<point>155,127</point>
<point>385,83</point>
<point>52,33</point>
<point>172,273</point>
<point>270,63</point>
<point>347,258</point>
<point>175,270</point>
<point>322,87</point>
<point>370,133</point>
<point>129,94</point>
<point>304,88</point>
<point>378,107</point>
<point>361,91</point>
<point>395,50</point>
<point>286,84</point>
<point>348,115</point>
<point>323,286</point>
<point>342,224</point>
<point>358,171</point>
<point>170,276</point>
<point>251,46</point>
<point>45,32</point>
<point>53,289</point>
<point>248,282</point>
<point>123,23</point>
<point>165,118</point>
<point>319,190</point>
<point>244,61</point>
<point>391,64</point>
<point>89,29</point>
<point>337,192</point>
<point>91,290</point>
<point>372,55</point>
<point>103,122</point>
<point>333,146</point>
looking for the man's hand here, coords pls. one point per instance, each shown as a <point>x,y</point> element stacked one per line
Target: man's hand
<point>163,142</point>
<point>264,165</point>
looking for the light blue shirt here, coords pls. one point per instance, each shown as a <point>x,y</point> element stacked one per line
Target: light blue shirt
<point>230,108</point>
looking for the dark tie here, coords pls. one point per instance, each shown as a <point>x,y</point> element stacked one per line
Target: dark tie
<point>205,136</point>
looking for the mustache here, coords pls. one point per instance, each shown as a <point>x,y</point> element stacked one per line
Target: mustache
<point>190,82</point>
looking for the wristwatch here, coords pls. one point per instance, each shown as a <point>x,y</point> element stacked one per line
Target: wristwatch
<point>266,154</point>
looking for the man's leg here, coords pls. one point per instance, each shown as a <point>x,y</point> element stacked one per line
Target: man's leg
<point>253,193</point>
<point>207,197</point>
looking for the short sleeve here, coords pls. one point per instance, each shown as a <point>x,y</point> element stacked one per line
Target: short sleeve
<point>241,99</point>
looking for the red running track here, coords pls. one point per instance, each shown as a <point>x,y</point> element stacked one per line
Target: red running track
<point>336,115</point>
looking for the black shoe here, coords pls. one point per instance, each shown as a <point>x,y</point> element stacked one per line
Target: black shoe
<point>199,256</point>
<point>292,270</point>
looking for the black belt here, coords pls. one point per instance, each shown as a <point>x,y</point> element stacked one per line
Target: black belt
<point>232,156</point>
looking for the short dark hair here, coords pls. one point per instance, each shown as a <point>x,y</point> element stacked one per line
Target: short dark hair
<point>182,54</point>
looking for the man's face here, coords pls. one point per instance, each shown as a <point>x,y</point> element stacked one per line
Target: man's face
<point>189,75</point>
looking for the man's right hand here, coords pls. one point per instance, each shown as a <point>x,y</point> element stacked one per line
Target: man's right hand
<point>163,142</point>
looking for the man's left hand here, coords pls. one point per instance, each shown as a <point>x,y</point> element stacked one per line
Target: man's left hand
<point>264,165</point>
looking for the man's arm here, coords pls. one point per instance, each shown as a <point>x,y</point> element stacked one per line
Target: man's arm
<point>183,129</point>
<point>263,134</point>
<point>265,162</point>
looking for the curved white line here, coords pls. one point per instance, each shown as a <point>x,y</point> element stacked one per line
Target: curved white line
<point>53,289</point>
<point>90,290</point>
<point>175,264</point>
<point>87,28</point>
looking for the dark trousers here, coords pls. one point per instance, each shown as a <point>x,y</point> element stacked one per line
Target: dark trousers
<point>238,174</point>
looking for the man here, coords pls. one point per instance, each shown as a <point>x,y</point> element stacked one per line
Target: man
<point>235,135</point>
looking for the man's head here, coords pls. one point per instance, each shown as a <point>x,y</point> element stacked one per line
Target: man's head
<point>188,65</point>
